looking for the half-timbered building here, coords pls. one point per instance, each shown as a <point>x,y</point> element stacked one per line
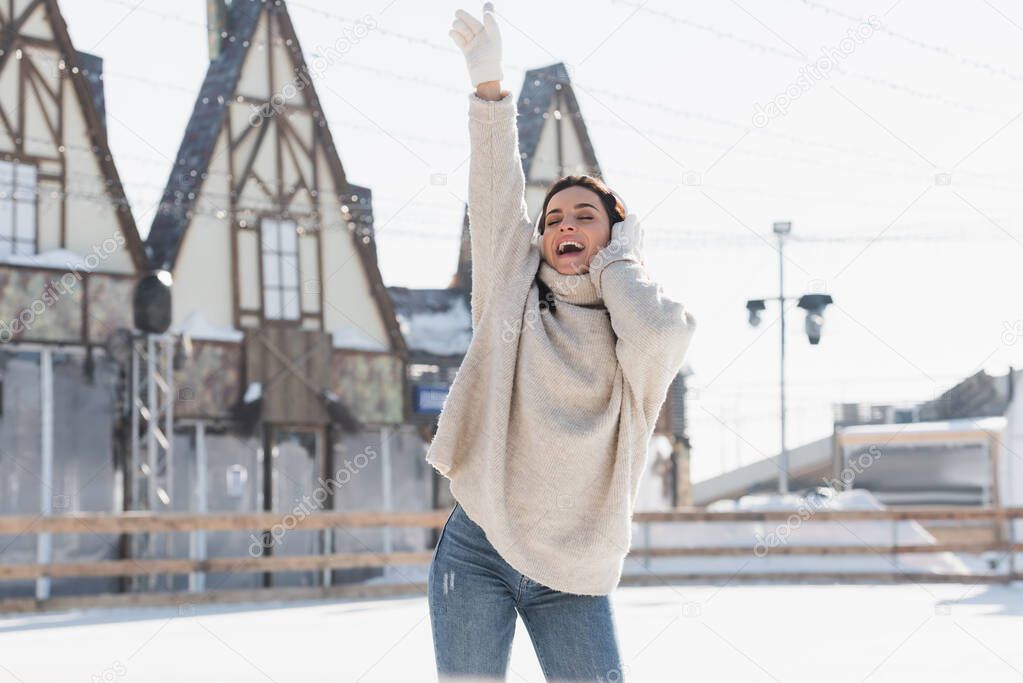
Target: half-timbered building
<point>69,258</point>
<point>296,377</point>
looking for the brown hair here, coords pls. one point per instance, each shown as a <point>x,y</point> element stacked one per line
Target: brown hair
<point>612,204</point>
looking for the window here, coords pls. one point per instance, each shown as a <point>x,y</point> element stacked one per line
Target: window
<point>17,208</point>
<point>280,269</point>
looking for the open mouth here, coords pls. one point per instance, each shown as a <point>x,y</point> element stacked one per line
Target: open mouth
<point>568,248</point>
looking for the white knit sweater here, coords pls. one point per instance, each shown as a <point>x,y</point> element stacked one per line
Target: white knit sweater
<point>545,429</point>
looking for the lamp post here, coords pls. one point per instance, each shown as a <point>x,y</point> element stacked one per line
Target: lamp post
<point>814,305</point>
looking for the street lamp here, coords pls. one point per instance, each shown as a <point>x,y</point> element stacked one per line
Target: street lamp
<point>814,305</point>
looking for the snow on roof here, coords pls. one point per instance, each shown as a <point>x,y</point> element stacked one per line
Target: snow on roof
<point>443,333</point>
<point>802,458</point>
<point>435,321</point>
<point>54,258</point>
<point>352,337</point>
<point>962,424</point>
<point>819,453</point>
<point>196,326</point>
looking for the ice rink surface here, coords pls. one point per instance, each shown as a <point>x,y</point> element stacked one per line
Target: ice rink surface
<point>749,633</point>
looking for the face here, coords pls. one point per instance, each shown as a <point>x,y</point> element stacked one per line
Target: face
<point>577,219</point>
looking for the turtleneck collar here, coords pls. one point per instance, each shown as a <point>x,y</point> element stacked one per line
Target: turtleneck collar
<point>573,289</point>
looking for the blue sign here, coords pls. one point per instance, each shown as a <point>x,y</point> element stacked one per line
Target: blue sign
<point>429,399</point>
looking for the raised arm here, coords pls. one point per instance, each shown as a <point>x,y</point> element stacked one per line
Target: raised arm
<point>499,226</point>
<point>654,331</point>
<point>497,204</point>
<point>497,185</point>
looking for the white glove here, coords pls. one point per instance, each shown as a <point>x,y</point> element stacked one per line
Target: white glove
<point>480,43</point>
<point>626,244</point>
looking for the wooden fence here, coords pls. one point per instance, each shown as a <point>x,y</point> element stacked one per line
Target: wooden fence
<point>999,519</point>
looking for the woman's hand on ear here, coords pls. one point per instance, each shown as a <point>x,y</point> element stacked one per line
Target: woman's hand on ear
<point>626,240</point>
<point>480,43</point>
<point>626,244</point>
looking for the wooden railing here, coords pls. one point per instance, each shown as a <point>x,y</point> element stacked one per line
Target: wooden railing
<point>139,523</point>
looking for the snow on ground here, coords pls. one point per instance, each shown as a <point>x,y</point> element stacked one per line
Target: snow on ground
<point>749,633</point>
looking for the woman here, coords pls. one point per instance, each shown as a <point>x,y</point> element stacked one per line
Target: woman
<point>544,432</point>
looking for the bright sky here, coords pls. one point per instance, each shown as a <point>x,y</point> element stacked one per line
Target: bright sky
<point>901,174</point>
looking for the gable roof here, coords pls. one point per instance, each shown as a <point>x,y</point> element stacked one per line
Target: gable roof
<point>85,72</point>
<point>540,90</point>
<point>208,116</point>
<point>193,159</point>
<point>92,69</point>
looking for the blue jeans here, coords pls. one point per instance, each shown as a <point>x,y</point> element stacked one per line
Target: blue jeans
<point>474,596</point>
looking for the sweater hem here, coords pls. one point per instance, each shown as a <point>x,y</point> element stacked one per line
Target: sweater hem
<point>523,566</point>
<point>442,467</point>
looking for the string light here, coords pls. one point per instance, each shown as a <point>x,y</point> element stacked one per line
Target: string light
<point>629,173</point>
<point>666,237</point>
<point>655,105</point>
<point>724,35</point>
<point>942,50</point>
<point>220,213</point>
<point>670,136</point>
<point>837,68</point>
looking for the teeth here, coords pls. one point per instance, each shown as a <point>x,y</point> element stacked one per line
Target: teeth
<point>561,247</point>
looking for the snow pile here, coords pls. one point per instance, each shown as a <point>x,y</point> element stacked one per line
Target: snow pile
<point>799,529</point>
<point>253,392</point>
